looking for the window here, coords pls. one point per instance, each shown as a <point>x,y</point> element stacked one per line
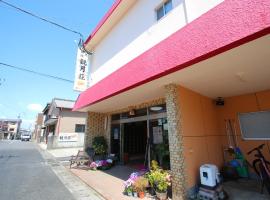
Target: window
<point>165,8</point>
<point>11,129</point>
<point>79,128</point>
<point>116,117</point>
<point>255,125</point>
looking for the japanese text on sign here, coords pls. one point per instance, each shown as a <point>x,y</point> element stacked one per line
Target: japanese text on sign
<point>80,82</point>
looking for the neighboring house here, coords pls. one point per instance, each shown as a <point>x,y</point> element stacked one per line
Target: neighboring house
<point>63,127</point>
<point>156,70</point>
<point>9,128</point>
<point>38,131</point>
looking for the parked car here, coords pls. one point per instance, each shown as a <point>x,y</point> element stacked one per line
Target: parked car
<point>25,137</point>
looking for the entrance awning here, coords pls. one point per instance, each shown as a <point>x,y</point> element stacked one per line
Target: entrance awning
<point>223,28</point>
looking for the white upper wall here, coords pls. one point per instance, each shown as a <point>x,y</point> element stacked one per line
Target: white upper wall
<point>139,30</point>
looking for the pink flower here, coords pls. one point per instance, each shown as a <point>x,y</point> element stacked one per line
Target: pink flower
<point>93,165</point>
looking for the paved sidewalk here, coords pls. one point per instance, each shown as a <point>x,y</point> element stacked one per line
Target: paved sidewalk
<point>109,183</point>
<point>62,154</point>
<point>42,145</point>
<point>105,184</point>
<point>75,185</point>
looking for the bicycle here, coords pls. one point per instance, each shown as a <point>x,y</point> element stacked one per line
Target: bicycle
<point>261,167</point>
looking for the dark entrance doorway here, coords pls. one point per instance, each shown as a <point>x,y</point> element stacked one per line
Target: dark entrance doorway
<point>115,140</point>
<point>135,139</point>
<point>141,135</point>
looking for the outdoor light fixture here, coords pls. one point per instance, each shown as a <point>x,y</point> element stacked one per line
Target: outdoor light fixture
<point>156,108</point>
<point>219,101</point>
<point>132,112</point>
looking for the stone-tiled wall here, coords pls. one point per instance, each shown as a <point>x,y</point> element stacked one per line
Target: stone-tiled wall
<point>139,106</point>
<point>95,127</point>
<point>175,142</point>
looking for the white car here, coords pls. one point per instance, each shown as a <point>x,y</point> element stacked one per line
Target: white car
<point>25,137</point>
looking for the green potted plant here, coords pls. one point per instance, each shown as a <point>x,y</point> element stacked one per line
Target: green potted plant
<point>160,180</point>
<point>135,193</point>
<point>139,186</point>
<point>100,146</point>
<point>161,151</point>
<point>129,190</point>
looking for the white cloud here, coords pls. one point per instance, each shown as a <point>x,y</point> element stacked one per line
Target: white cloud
<point>35,107</point>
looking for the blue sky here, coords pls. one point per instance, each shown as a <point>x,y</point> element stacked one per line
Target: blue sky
<point>30,43</point>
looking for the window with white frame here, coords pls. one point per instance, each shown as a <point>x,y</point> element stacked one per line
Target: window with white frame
<point>164,9</point>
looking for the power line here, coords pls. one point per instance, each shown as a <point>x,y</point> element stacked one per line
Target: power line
<point>37,73</point>
<point>41,18</point>
<point>81,42</point>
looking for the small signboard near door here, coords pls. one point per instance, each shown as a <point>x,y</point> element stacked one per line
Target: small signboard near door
<point>68,137</point>
<point>157,135</point>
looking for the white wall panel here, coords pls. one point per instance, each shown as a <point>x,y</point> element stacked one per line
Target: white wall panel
<point>138,31</point>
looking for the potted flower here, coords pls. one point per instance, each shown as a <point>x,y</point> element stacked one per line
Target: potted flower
<point>139,186</point>
<point>162,183</point>
<point>135,193</point>
<point>129,183</point>
<point>129,190</point>
<point>160,180</point>
<point>93,166</point>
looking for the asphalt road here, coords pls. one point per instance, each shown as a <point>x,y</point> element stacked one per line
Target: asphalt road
<point>24,174</point>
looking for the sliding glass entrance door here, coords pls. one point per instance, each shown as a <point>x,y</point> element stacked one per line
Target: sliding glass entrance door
<point>159,143</point>
<point>141,131</point>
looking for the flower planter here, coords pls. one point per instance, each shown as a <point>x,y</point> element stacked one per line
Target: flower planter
<point>161,195</point>
<point>129,194</point>
<point>106,167</point>
<point>151,191</point>
<point>135,194</point>
<point>141,195</point>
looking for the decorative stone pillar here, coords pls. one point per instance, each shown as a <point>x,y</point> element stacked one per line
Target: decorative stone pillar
<point>86,135</point>
<point>175,142</point>
<point>95,127</point>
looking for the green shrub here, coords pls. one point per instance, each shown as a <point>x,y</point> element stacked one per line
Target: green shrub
<point>158,178</point>
<point>100,145</point>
